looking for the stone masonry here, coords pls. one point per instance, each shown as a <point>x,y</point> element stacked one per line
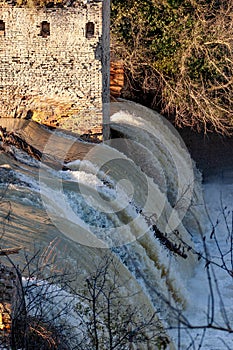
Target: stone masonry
<point>8,293</point>
<point>54,64</point>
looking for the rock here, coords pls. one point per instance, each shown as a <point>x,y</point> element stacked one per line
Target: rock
<point>116,78</point>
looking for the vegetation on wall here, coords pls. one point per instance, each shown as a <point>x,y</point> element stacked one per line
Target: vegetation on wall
<point>179,53</point>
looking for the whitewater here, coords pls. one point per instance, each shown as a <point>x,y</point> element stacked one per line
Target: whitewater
<point>110,199</point>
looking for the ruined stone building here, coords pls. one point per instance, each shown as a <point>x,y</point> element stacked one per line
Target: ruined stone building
<point>54,63</point>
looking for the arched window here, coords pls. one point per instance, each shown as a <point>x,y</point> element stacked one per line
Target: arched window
<point>2,27</point>
<point>90,30</point>
<point>45,29</point>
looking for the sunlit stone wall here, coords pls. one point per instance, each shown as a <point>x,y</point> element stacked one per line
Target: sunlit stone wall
<point>54,64</point>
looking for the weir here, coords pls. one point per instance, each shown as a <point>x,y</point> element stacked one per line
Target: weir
<point>92,200</point>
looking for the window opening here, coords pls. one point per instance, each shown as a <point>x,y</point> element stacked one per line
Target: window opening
<point>90,30</point>
<point>45,29</point>
<point>2,27</point>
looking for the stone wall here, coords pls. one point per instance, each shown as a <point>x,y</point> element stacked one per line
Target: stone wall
<point>51,64</point>
<point>8,293</point>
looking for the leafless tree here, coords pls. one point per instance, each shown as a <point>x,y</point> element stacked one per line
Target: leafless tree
<point>109,316</point>
<point>184,63</point>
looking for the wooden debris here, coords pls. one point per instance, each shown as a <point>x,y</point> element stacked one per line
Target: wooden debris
<point>173,247</point>
<point>9,251</point>
<point>13,139</point>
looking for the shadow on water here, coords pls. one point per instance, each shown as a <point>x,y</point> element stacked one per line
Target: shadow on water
<point>212,153</point>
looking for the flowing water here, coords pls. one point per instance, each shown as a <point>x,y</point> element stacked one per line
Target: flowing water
<point>110,199</point>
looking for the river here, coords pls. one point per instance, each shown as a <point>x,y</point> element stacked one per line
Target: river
<point>109,200</point>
